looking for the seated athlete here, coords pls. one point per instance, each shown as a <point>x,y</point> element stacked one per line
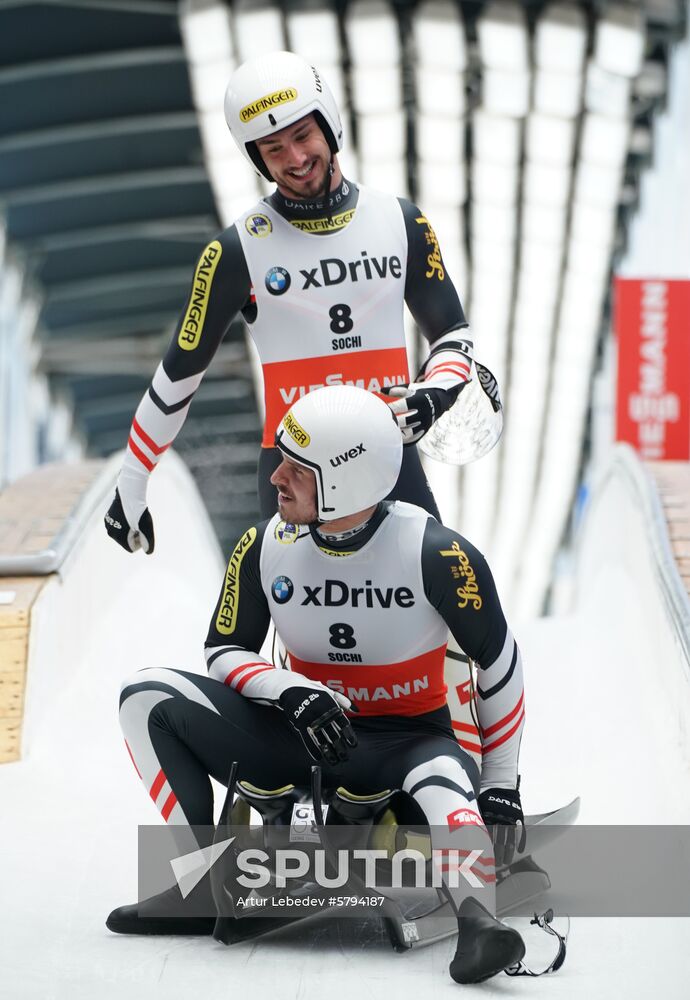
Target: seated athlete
<point>362,592</point>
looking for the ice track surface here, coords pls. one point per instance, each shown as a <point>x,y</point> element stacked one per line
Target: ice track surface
<point>598,726</point>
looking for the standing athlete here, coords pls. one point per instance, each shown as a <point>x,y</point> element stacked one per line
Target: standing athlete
<point>320,271</point>
<point>362,592</point>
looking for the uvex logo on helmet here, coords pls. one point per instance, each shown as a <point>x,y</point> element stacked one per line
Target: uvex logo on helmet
<point>347,455</point>
<point>267,102</point>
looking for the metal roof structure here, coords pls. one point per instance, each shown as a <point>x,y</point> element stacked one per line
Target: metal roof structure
<point>105,194</point>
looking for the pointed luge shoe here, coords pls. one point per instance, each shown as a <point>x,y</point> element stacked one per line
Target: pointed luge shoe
<point>167,913</point>
<point>485,945</point>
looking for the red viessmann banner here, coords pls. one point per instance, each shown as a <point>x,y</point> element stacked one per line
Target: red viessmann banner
<point>652,326</point>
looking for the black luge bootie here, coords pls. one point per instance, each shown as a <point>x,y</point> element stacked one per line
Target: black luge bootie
<point>167,913</point>
<point>485,945</point>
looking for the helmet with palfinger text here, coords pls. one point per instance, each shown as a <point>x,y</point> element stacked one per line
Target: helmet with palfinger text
<point>270,92</point>
<point>349,438</point>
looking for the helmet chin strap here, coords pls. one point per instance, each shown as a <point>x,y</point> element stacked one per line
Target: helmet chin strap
<point>327,189</point>
<point>341,536</point>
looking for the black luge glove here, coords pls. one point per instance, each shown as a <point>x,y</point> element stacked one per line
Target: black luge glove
<point>321,723</point>
<point>501,809</point>
<point>419,406</point>
<point>120,530</point>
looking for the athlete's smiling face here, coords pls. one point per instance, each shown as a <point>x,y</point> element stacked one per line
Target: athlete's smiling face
<point>296,492</point>
<point>298,158</point>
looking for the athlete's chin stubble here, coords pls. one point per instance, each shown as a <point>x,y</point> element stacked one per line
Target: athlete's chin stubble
<point>312,190</point>
<point>299,517</point>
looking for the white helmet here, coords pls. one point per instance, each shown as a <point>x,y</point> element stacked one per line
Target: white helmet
<point>350,439</point>
<point>275,90</point>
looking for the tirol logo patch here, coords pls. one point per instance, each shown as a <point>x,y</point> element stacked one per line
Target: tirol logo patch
<point>286,533</point>
<point>258,225</point>
<point>295,430</point>
<point>463,817</point>
<point>282,589</point>
<point>267,102</point>
<point>277,281</point>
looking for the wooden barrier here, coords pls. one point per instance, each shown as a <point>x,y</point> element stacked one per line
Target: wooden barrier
<point>33,512</point>
<point>15,624</point>
<point>673,483</point>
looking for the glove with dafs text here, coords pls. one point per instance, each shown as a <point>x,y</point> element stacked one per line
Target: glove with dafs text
<point>131,539</point>
<point>321,723</point>
<point>419,405</point>
<point>501,809</point>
